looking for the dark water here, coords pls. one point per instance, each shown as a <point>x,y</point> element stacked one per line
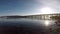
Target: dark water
<point>26,26</point>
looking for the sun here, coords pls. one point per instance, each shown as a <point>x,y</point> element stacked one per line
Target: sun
<point>46,10</point>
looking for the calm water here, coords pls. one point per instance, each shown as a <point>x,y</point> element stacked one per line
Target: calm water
<point>26,26</point>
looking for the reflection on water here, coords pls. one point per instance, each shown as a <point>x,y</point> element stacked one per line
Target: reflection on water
<point>47,23</point>
<point>43,22</point>
<point>27,26</point>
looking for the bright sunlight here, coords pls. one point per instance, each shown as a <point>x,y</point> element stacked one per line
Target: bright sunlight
<point>47,10</point>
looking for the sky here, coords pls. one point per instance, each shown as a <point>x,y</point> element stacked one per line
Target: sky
<point>28,7</point>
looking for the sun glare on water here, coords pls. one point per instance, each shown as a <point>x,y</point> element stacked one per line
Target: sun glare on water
<point>47,23</point>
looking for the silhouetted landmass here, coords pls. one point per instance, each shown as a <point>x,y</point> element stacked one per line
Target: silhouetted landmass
<point>9,17</point>
<point>39,16</point>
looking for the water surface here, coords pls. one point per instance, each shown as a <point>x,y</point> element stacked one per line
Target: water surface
<point>26,26</point>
